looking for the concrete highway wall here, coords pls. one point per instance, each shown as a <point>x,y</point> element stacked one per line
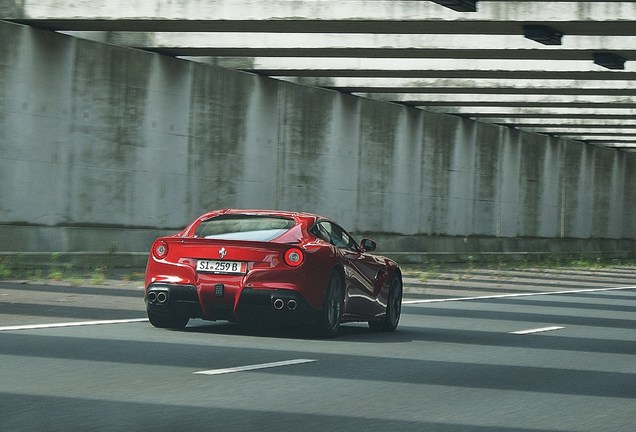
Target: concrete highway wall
<point>103,148</point>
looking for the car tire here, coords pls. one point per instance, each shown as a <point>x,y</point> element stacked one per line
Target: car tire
<point>167,321</point>
<point>329,323</point>
<point>393,308</point>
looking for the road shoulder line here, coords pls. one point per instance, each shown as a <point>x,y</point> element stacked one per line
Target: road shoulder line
<point>71,324</point>
<point>498,296</point>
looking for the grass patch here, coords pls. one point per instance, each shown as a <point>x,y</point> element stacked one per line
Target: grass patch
<point>98,277</point>
<point>55,270</point>
<point>5,271</point>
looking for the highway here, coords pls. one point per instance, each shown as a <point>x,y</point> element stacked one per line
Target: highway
<point>80,358</point>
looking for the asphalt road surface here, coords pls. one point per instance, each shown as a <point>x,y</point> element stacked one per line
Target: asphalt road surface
<point>82,358</point>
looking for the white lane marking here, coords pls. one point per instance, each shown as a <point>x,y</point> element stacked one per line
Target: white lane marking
<point>253,367</point>
<point>537,330</point>
<point>516,295</point>
<point>71,324</point>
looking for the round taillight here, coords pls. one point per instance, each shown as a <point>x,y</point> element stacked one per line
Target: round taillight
<point>160,249</point>
<point>294,257</point>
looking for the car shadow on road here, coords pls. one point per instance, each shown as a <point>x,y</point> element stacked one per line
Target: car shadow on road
<point>358,332</point>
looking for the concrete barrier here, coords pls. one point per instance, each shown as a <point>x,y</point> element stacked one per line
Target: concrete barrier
<point>102,148</point>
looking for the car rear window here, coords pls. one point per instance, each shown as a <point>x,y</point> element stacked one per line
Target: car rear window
<point>243,227</point>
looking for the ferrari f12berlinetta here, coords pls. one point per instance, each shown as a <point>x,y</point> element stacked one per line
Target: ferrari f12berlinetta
<point>245,265</point>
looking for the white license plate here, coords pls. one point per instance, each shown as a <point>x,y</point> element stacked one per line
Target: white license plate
<point>226,267</point>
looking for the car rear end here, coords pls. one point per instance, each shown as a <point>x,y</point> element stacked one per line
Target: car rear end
<point>233,272</point>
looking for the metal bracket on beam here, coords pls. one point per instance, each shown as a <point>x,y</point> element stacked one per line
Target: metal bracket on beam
<point>609,60</point>
<point>543,34</point>
<point>459,5</point>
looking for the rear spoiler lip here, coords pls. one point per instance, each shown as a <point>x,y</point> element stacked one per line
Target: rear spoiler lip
<point>197,241</point>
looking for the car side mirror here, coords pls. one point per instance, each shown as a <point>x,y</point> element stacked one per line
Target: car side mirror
<point>368,245</point>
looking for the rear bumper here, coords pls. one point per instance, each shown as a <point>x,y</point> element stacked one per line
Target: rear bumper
<point>273,304</point>
<point>253,304</point>
<point>179,300</point>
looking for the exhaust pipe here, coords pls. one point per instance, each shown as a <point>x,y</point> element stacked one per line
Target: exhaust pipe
<point>292,305</point>
<point>279,304</point>
<point>159,297</point>
<point>162,297</point>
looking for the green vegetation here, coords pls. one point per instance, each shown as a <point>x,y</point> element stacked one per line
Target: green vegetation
<point>134,276</point>
<point>5,271</point>
<point>56,269</point>
<point>466,270</point>
<point>555,261</point>
<point>99,275</point>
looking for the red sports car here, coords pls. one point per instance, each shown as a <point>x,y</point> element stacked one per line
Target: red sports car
<point>241,265</point>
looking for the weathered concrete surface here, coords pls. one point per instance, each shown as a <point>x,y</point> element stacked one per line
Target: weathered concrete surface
<point>608,18</point>
<point>102,148</point>
<point>480,65</point>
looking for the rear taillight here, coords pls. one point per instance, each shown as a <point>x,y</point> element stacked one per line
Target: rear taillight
<point>294,257</point>
<point>160,249</point>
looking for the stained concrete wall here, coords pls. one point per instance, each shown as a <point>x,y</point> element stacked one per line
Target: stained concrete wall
<point>103,148</point>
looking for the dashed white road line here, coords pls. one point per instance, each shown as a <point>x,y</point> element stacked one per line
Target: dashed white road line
<point>71,324</point>
<point>537,330</point>
<point>253,367</point>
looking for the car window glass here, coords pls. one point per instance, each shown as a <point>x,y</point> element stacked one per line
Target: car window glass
<point>333,234</point>
<point>320,231</point>
<point>340,238</point>
<point>243,227</point>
